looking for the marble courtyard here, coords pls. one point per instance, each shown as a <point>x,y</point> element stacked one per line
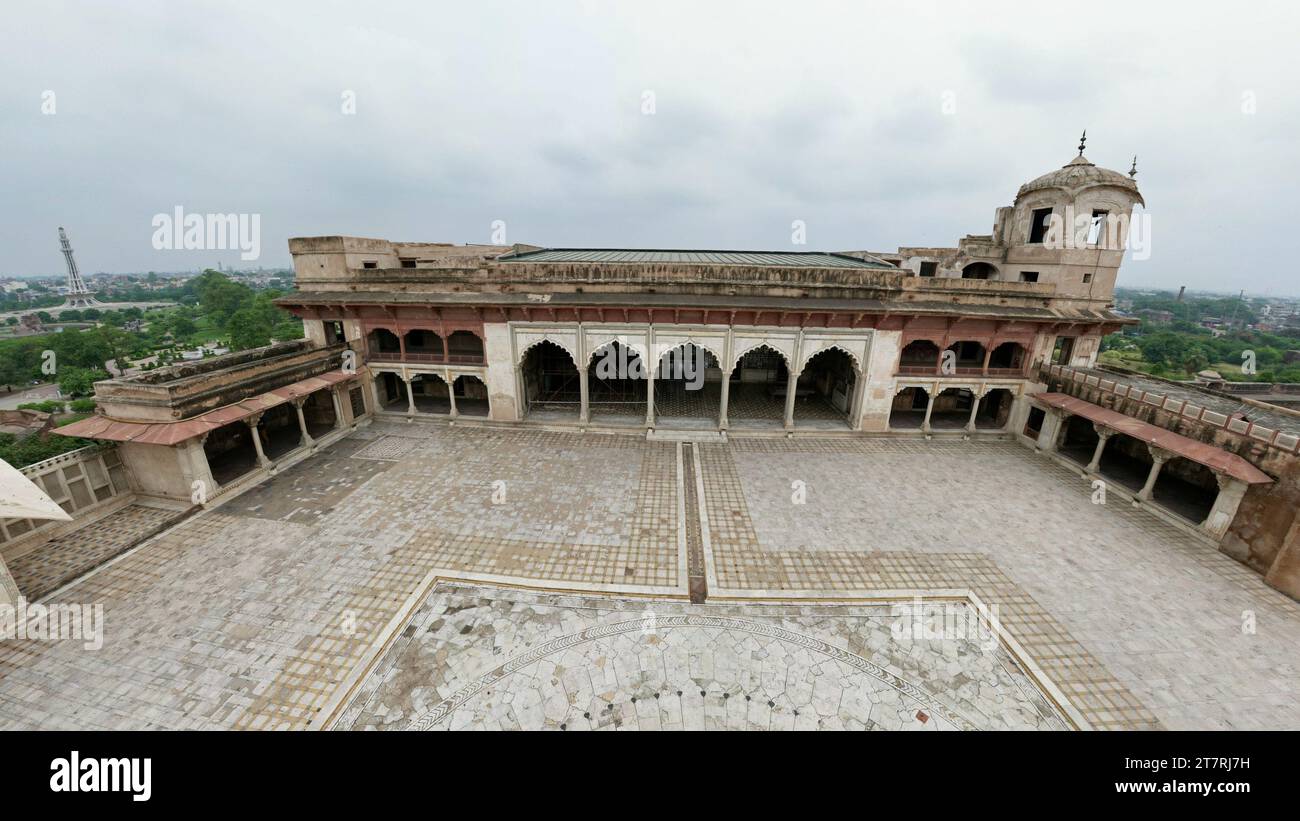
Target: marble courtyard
<point>421,575</point>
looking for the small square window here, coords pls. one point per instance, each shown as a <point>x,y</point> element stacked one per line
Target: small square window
<point>1028,276</point>
<point>370,263</point>
<point>1087,277</point>
<point>1095,227</point>
<point>1038,223</point>
<point>408,263</point>
<point>929,269</point>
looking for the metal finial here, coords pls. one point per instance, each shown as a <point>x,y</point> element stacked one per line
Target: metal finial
<point>1083,139</point>
<point>1133,172</point>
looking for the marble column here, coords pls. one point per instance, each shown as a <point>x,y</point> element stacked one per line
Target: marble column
<point>1103,436</point>
<point>410,395</point>
<point>929,409</point>
<point>451,394</point>
<point>974,410</point>
<point>726,392</point>
<point>1158,459</point>
<point>650,398</point>
<point>584,408</point>
<point>791,385</point>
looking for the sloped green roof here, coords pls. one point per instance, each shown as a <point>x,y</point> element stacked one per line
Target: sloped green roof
<point>776,259</point>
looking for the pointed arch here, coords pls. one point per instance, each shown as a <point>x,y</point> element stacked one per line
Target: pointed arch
<point>523,352</point>
<point>758,346</point>
<point>599,345</point>
<point>702,346</point>
<point>834,346</point>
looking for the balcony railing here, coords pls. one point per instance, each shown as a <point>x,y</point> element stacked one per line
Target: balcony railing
<point>417,357</point>
<point>960,370</point>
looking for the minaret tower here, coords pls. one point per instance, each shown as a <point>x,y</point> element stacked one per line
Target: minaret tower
<point>78,294</point>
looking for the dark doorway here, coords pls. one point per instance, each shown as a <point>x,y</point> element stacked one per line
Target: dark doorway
<point>908,410</point>
<point>826,388</point>
<point>550,381</point>
<point>471,396</point>
<point>230,452</point>
<point>757,380</point>
<point>616,385</point>
<point>688,387</point>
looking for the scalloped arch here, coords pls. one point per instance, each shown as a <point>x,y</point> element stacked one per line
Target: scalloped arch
<point>736,360</point>
<point>634,347</point>
<point>524,352</point>
<point>834,346</point>
<point>686,342</point>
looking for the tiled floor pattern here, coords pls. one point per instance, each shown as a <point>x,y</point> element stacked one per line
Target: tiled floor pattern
<point>57,561</point>
<point>251,615</point>
<point>602,512</point>
<point>476,658</point>
<point>1135,620</point>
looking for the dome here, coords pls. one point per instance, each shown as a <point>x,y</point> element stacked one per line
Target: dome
<point>1079,174</point>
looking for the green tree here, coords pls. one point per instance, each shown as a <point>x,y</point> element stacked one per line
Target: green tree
<point>1165,348</point>
<point>183,327</point>
<point>1196,361</point>
<point>76,382</point>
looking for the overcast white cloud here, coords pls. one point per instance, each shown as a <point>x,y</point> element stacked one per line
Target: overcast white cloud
<point>531,113</point>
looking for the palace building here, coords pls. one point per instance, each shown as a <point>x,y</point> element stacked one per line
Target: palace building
<point>996,337</point>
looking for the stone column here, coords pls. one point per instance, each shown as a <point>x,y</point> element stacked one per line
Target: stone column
<point>451,394</point>
<point>302,423</point>
<point>650,398</point>
<point>375,379</point>
<point>401,345</point>
<point>339,420</point>
<point>974,410</point>
<point>584,409</point>
<point>199,473</point>
<point>1103,436</point>
<point>1048,436</point>
<point>1231,492</point>
<point>726,392</point>
<point>929,409</point>
<point>988,354</point>
<point>252,421</point>
<point>410,395</point>
<point>791,385</point>
<point>1158,459</point>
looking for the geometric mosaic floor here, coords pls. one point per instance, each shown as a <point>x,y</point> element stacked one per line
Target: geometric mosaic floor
<point>491,659</point>
<point>363,587</point>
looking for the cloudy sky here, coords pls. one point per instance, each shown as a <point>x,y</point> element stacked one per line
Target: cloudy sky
<point>877,124</point>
